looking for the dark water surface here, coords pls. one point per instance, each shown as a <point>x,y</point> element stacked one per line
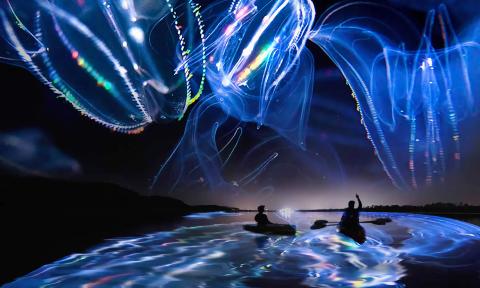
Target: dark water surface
<point>212,250</point>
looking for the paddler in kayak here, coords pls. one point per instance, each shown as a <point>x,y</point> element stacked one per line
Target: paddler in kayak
<point>351,216</point>
<point>350,223</point>
<point>264,226</point>
<point>261,218</point>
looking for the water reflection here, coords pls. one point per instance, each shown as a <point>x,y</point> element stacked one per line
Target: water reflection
<point>223,255</point>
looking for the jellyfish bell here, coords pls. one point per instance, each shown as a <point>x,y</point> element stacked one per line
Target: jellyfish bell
<point>121,68</point>
<point>65,52</point>
<point>256,46</point>
<point>159,37</point>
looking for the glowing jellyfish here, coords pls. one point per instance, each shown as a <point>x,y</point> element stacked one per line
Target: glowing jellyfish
<point>410,94</point>
<point>259,68</point>
<point>122,63</point>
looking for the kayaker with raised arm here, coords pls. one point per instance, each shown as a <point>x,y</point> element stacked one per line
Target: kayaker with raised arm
<point>261,218</point>
<point>350,223</point>
<point>351,216</point>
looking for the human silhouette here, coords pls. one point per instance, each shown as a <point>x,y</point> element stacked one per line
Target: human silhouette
<point>261,218</point>
<point>350,223</point>
<point>264,226</point>
<point>351,216</point>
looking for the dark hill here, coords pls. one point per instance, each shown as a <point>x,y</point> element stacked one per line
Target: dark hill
<point>43,219</point>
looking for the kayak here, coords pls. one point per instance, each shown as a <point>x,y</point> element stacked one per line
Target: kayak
<point>319,224</point>
<point>356,232</point>
<point>274,229</point>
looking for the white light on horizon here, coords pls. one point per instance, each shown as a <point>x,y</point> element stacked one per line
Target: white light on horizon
<point>286,212</point>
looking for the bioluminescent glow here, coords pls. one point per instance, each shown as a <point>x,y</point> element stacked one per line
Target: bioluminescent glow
<point>254,48</point>
<point>122,63</point>
<point>210,215</point>
<point>31,151</point>
<point>224,255</point>
<point>412,96</point>
<point>286,213</point>
<point>128,63</point>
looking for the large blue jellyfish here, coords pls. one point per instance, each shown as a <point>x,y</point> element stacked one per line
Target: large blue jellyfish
<point>122,63</point>
<point>412,96</point>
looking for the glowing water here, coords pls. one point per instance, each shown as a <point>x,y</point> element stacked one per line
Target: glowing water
<point>224,255</point>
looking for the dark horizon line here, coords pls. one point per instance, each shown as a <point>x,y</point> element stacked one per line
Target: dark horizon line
<point>441,207</point>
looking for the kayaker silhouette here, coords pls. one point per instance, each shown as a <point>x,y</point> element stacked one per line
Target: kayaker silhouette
<point>350,223</point>
<point>351,216</point>
<point>261,218</point>
<point>264,226</point>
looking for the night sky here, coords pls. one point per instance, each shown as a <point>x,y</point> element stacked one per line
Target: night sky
<point>90,152</point>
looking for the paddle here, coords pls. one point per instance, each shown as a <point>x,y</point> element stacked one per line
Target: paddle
<point>319,224</point>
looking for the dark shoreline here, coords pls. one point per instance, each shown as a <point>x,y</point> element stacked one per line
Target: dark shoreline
<point>383,211</point>
<point>43,220</point>
<point>437,213</point>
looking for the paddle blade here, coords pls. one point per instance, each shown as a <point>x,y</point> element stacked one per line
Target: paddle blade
<point>381,221</point>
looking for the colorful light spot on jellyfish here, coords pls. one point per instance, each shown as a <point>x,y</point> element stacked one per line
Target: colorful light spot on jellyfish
<point>257,62</point>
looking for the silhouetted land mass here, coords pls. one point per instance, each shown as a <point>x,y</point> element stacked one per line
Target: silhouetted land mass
<point>438,207</point>
<point>43,220</point>
<point>433,208</point>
